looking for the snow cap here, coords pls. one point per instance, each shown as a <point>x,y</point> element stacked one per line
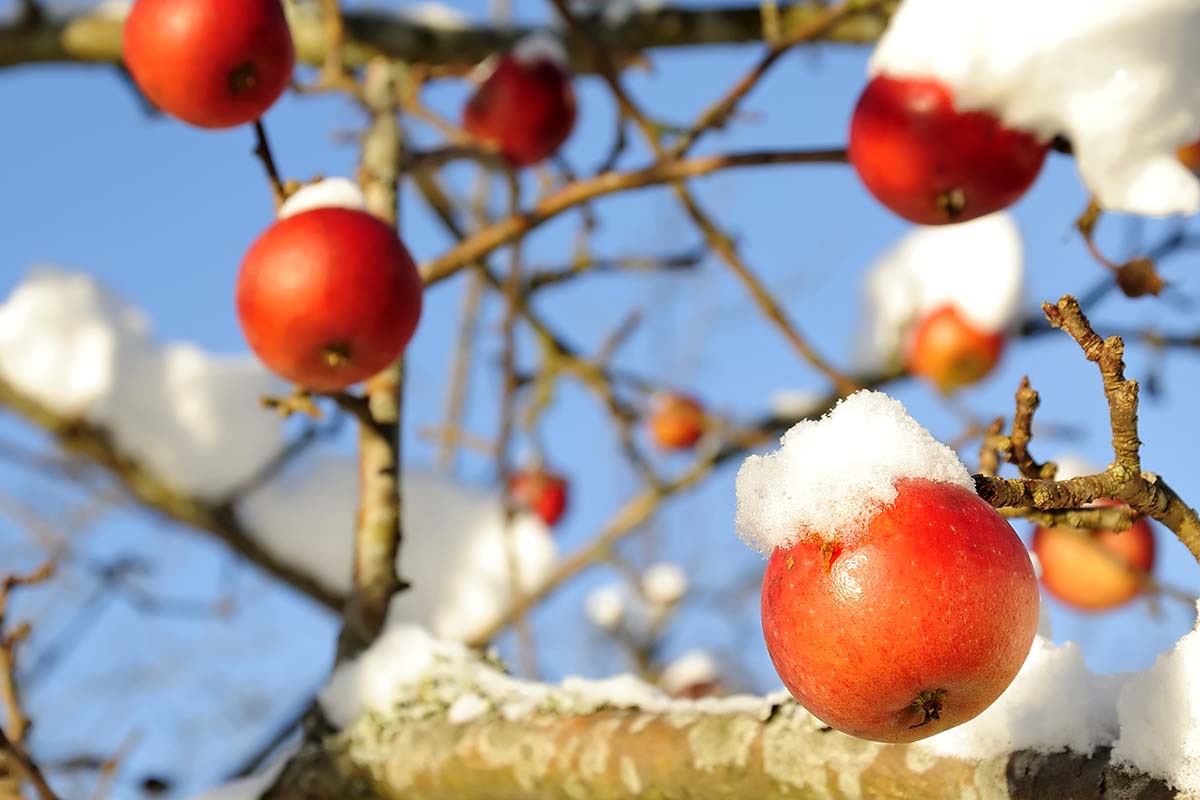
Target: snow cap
<point>335,192</point>
<point>1117,78</point>
<point>831,476</point>
<point>541,46</point>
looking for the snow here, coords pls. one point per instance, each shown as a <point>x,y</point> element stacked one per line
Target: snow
<point>454,543</point>
<point>830,476</point>
<point>977,267</point>
<point>189,416</point>
<point>664,584</point>
<point>796,403</point>
<point>1115,77</point>
<point>692,668</point>
<point>1072,466</point>
<point>605,607</point>
<point>438,16</point>
<point>1055,702</point>
<point>540,46</point>
<point>335,192</point>
<point>1159,715</point>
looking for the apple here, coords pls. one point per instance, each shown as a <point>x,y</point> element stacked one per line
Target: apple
<point>1094,570</point>
<point>525,108</point>
<point>1189,154</point>
<point>914,625</point>
<point>540,491</point>
<point>676,422</point>
<point>950,352</point>
<point>328,297</point>
<point>212,63</point>
<point>931,163</point>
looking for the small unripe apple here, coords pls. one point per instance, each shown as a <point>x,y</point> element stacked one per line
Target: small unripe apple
<point>1094,570</point>
<point>538,490</point>
<point>676,422</point>
<point>525,108</point>
<point>328,297</point>
<point>910,627</point>
<point>213,63</point>
<point>950,352</point>
<point>932,164</point>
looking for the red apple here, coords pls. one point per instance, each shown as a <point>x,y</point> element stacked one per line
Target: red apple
<point>1094,570</point>
<point>525,108</point>
<point>676,422</point>
<point>213,63</point>
<point>950,352</point>
<point>915,625</point>
<point>328,297</point>
<point>540,491</point>
<point>931,163</point>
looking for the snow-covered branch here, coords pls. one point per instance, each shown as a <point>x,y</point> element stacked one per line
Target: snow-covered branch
<point>95,35</point>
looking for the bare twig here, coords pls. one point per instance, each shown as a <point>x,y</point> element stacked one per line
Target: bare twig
<point>262,149</point>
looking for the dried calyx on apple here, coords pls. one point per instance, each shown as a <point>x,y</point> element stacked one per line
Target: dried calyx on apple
<point>896,603</point>
<point>525,105</point>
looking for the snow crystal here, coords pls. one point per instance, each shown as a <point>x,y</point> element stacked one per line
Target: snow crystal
<point>976,266</point>
<point>434,15</point>
<point>664,584</point>
<point>454,543</point>
<point>606,606</point>
<point>540,46</point>
<point>325,193</point>
<point>830,476</point>
<point>467,708</point>
<point>690,669</point>
<point>191,417</point>
<point>1159,714</point>
<point>1055,702</point>
<point>1116,78</point>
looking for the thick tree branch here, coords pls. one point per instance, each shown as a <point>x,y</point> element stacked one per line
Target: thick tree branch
<point>95,36</point>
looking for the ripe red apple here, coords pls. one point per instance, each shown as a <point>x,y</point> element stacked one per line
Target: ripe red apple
<point>525,108</point>
<point>1094,570</point>
<point>540,491</point>
<point>931,163</point>
<point>913,626</point>
<point>676,422</point>
<point>328,297</point>
<point>950,352</point>
<point>213,63</point>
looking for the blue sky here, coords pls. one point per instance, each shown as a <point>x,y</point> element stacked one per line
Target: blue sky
<point>161,213</point>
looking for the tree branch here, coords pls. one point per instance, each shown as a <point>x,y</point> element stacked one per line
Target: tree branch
<point>94,36</point>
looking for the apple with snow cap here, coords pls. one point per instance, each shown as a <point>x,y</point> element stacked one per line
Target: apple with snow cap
<point>328,297</point>
<point>525,107</point>
<point>211,63</point>
<point>950,352</point>
<point>896,603</point>
<point>931,163</point>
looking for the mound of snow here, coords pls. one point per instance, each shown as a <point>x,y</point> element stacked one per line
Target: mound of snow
<point>978,267</point>
<point>325,193</point>
<point>1117,78</point>
<point>830,476</point>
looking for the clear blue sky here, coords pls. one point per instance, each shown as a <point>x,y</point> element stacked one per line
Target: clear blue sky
<point>161,214</point>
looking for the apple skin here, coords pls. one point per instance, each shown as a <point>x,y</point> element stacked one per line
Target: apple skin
<point>937,598</point>
<point>676,422</point>
<point>950,352</point>
<point>328,297</point>
<point>1189,154</point>
<point>540,491</point>
<point>211,63</point>
<point>525,109</point>
<point>1089,576</point>
<point>932,164</point>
